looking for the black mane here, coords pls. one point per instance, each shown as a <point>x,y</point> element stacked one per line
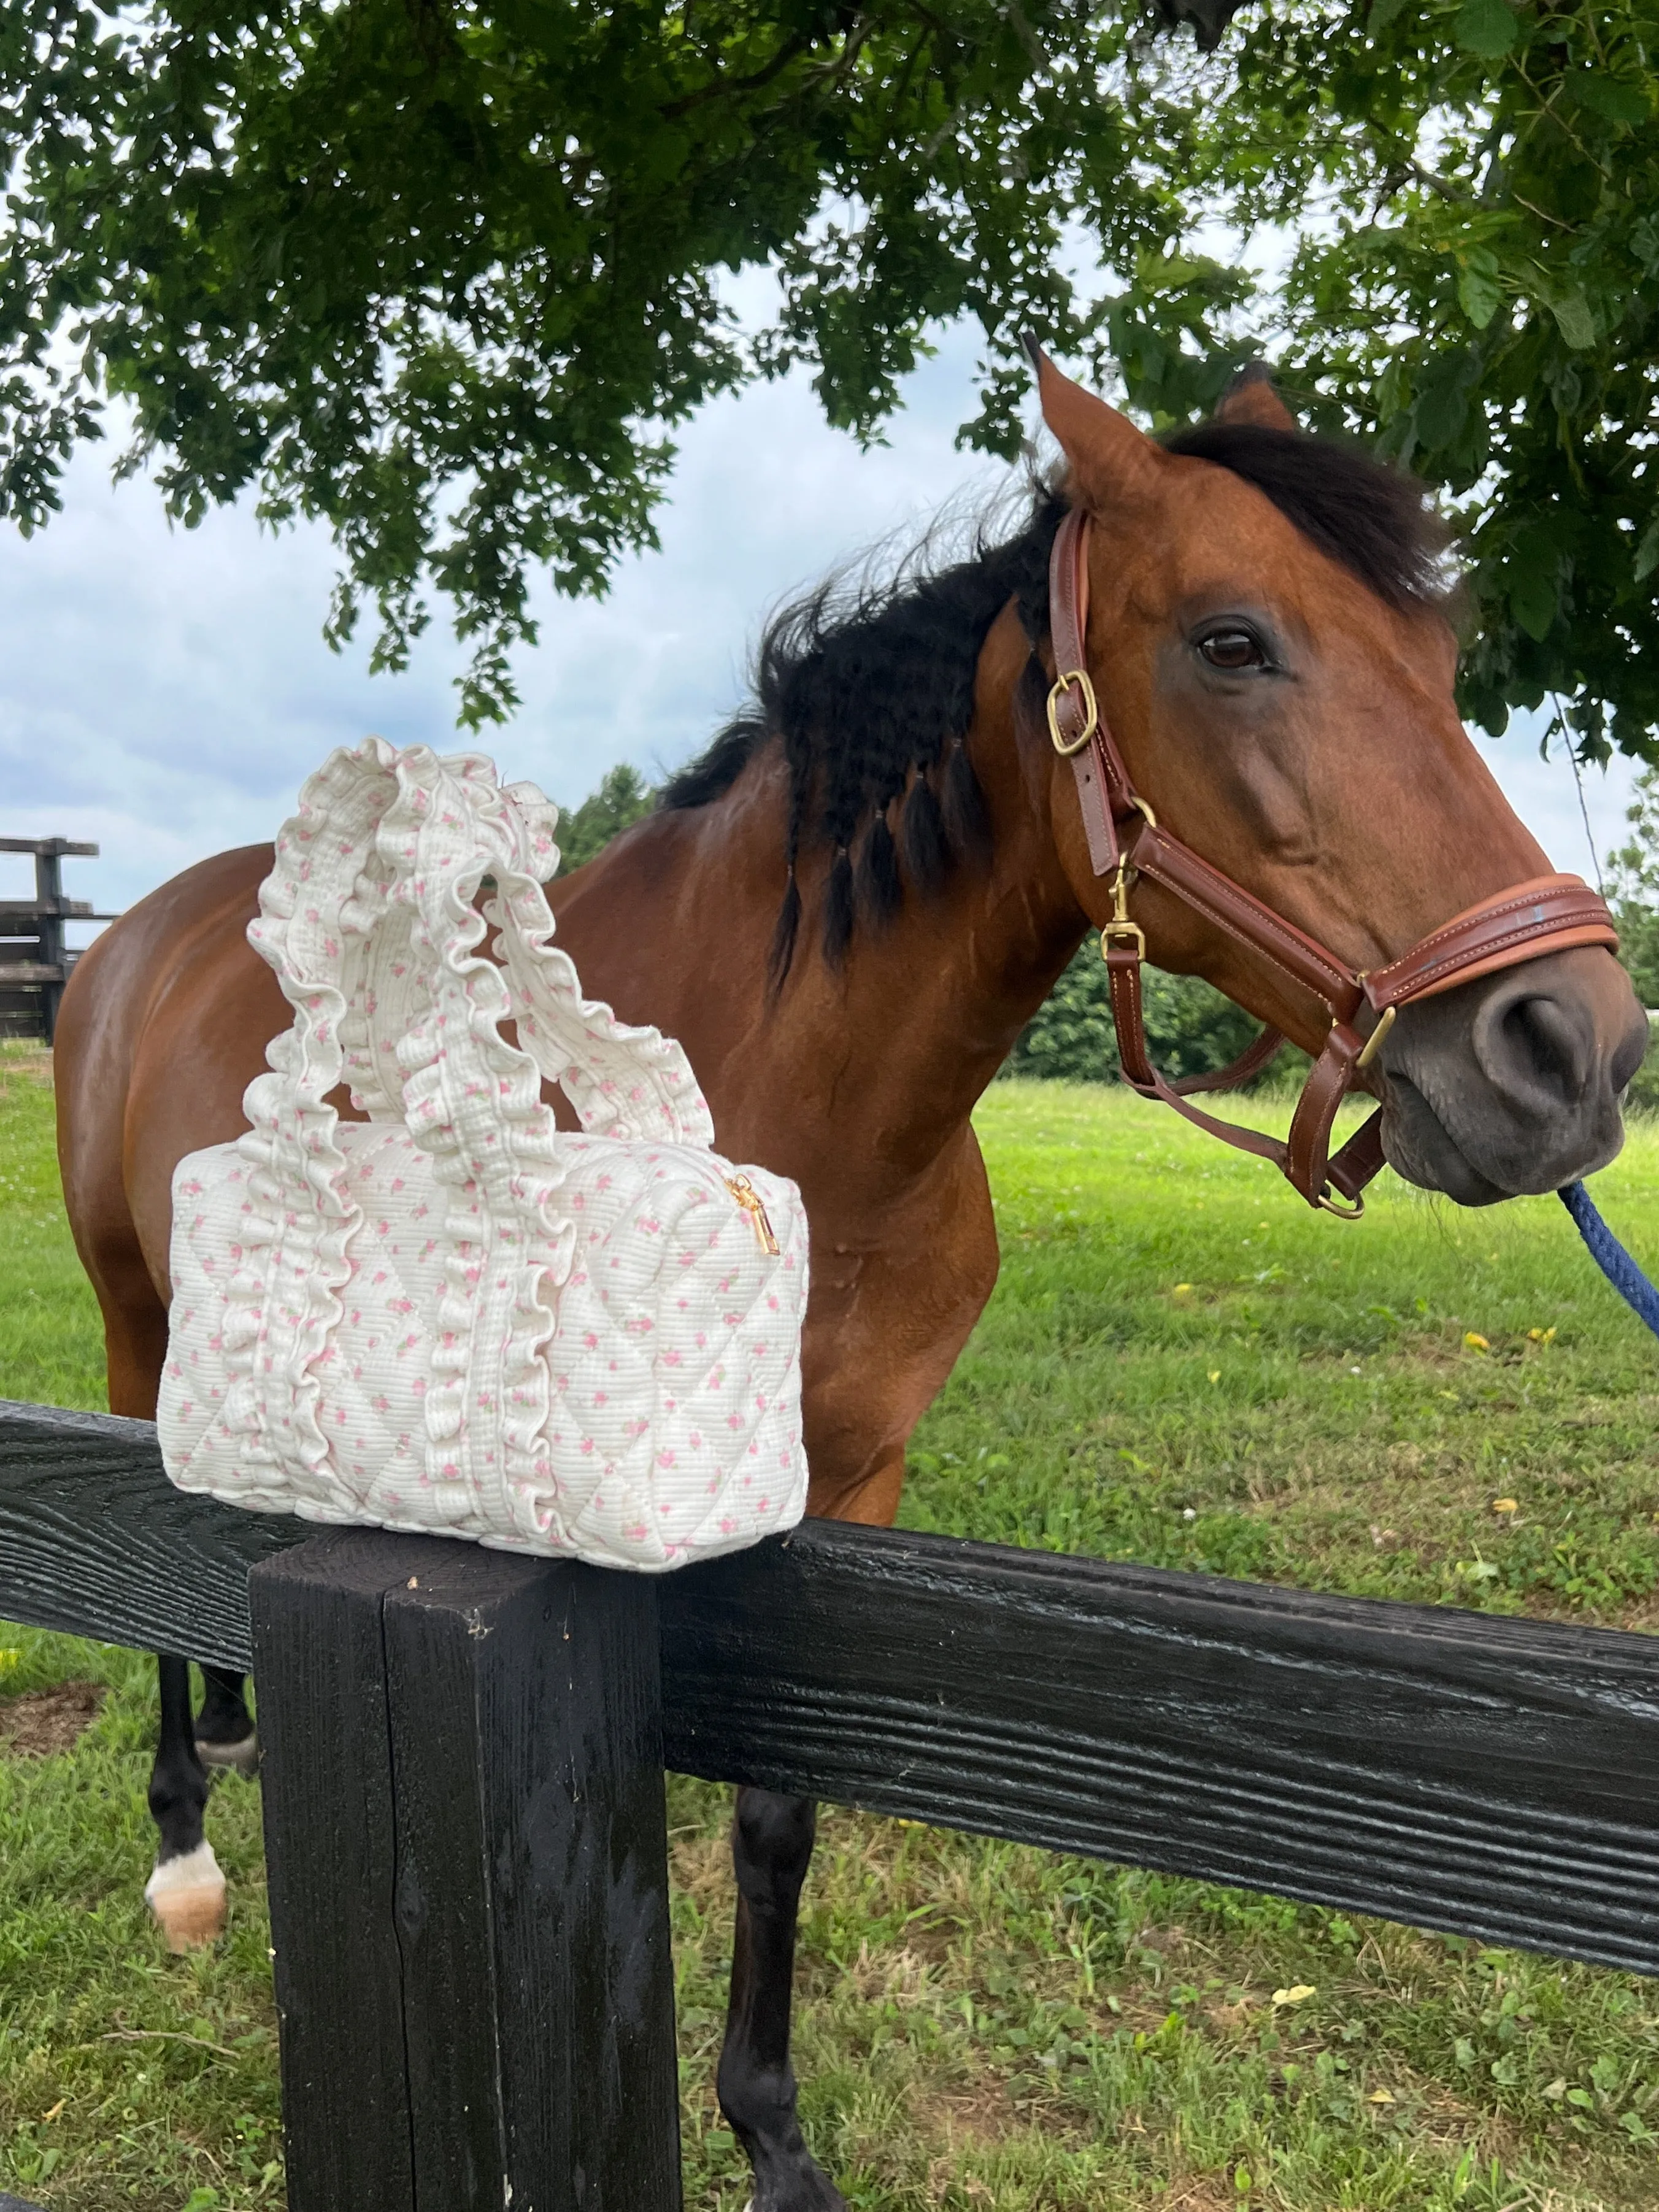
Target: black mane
<point>872,688</point>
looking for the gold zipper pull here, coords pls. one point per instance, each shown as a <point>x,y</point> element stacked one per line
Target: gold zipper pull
<point>755,1206</point>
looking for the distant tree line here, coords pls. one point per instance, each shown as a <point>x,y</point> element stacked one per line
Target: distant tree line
<point>622,797</point>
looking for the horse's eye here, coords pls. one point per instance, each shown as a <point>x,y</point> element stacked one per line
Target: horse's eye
<point>1233,648</point>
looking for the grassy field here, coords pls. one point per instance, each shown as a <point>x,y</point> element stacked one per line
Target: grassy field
<point>1181,1365</point>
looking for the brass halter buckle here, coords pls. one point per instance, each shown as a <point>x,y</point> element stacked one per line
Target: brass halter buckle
<point>1057,691</point>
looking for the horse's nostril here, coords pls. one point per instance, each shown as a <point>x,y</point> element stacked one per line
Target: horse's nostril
<point>1511,1084</point>
<point>1545,1046</point>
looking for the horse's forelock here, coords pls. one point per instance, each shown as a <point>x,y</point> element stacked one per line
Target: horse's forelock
<point>1376,521</point>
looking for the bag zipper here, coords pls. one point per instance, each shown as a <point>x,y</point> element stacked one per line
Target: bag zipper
<point>755,1206</point>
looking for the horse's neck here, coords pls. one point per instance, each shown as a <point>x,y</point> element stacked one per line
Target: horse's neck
<point>928,1009</point>
<point>880,1061</point>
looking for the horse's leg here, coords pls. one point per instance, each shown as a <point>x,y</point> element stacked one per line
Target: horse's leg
<point>771,1845</point>
<point>857,1437</point>
<point>186,1891</point>
<point>225,1734</point>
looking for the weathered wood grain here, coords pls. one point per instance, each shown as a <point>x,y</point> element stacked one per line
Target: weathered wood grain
<point>1454,1769</point>
<point>331,1868</point>
<point>467,1845</point>
<point>532,1882</point>
<point>96,1539</point>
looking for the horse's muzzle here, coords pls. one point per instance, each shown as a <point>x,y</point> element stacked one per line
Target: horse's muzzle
<point>1513,1084</point>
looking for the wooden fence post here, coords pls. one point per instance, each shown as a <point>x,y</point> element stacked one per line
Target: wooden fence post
<point>467,1857</point>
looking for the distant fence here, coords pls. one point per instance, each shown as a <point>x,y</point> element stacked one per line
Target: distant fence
<point>464,1751</point>
<point>34,959</point>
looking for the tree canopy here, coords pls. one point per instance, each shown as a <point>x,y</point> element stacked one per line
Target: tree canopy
<point>448,276</point>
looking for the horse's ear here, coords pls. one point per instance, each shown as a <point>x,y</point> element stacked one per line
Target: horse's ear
<point>1251,398</point>
<point>1109,457</point>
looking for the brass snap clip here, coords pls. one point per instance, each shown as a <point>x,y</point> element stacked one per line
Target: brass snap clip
<point>1120,926</point>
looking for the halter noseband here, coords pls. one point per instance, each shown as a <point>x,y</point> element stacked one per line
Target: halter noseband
<point>1126,840</point>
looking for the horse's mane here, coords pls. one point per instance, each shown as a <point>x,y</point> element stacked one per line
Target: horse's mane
<point>870,683</point>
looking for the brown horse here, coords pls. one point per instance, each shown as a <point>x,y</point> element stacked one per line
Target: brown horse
<point>850,907</point>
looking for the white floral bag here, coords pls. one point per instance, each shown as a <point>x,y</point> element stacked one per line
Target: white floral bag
<point>454,1317</point>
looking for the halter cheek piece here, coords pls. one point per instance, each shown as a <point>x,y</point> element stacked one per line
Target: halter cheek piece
<point>1126,840</point>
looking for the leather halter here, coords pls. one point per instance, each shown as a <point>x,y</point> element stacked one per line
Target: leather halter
<point>1127,841</point>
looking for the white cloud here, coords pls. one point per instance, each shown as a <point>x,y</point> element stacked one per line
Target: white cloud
<point>163,692</point>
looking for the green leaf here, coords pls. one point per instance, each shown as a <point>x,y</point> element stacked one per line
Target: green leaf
<point>1442,406</point>
<point>1574,319</point>
<point>1614,97</point>
<point>1486,28</point>
<point>1478,293</point>
<point>1647,553</point>
<point>1532,595</point>
<point>1382,14</point>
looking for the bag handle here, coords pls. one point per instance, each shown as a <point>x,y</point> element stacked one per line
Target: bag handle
<point>624,1080</point>
<point>322,895</point>
<point>452,826</point>
<point>370,919</point>
<point>370,916</point>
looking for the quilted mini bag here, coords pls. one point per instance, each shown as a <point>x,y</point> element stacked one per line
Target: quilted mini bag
<point>454,1317</point>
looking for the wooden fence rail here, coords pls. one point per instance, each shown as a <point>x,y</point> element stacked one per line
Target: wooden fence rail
<point>34,958</point>
<point>463,1755</point>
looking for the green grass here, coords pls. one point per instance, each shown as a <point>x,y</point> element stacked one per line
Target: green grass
<point>1181,1365</point>
<point>52,1346</point>
<point>1184,1365</point>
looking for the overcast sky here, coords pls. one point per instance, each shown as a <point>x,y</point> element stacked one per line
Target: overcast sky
<point>163,692</point>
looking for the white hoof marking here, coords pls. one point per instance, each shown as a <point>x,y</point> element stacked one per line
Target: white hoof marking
<point>187,1896</point>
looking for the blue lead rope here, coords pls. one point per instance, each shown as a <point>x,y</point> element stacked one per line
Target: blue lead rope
<point>1610,1255</point>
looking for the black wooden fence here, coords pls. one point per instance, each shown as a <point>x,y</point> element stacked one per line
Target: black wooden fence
<point>34,958</point>
<point>463,1755</point>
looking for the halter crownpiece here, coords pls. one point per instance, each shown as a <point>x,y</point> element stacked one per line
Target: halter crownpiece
<point>1550,913</point>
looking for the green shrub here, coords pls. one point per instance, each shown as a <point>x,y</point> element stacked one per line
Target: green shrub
<point>1632,891</point>
<point>1191,1027</point>
<point>622,797</point>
